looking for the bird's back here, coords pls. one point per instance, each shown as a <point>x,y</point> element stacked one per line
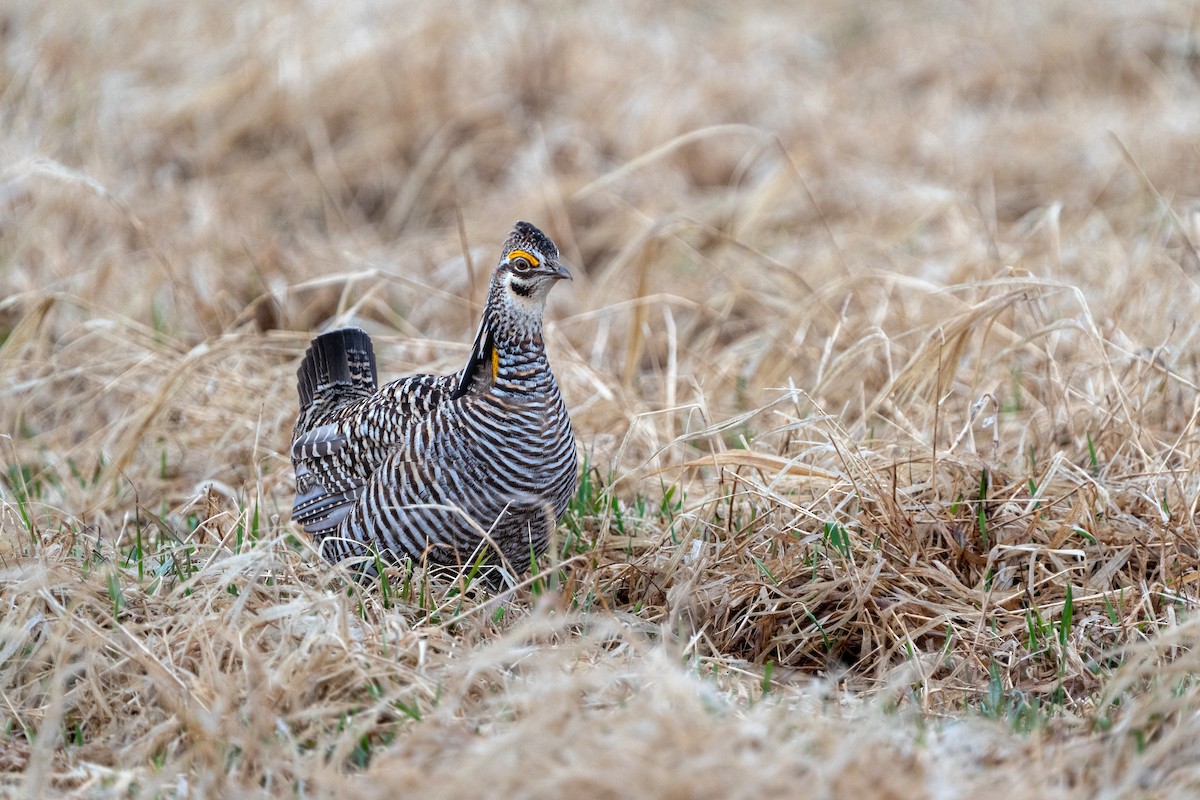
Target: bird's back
<point>348,425</point>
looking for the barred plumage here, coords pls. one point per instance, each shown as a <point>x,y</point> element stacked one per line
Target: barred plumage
<point>441,468</point>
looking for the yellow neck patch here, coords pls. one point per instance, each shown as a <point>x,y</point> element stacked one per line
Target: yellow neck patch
<point>495,363</point>
<point>525,254</point>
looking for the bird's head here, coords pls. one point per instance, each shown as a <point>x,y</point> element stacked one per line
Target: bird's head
<point>528,268</point>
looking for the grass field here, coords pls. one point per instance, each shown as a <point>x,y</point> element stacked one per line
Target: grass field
<point>881,353</point>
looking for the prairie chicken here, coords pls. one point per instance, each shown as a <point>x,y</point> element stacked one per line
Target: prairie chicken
<point>441,468</point>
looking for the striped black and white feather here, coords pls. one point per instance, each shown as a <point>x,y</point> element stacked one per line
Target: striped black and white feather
<point>441,468</point>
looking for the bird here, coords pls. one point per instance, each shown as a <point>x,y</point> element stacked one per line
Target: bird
<point>475,467</point>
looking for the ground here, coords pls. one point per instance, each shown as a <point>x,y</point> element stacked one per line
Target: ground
<point>880,353</point>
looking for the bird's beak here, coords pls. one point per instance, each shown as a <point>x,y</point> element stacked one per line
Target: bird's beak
<point>563,272</point>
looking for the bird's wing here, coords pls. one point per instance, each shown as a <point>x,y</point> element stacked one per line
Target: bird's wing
<point>335,458</point>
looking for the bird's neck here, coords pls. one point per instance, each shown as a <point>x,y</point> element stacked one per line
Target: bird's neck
<point>507,345</point>
<point>513,327</point>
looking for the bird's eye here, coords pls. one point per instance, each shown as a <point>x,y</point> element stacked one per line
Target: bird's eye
<point>521,260</point>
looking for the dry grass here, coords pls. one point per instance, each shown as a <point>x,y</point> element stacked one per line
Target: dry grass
<point>880,353</point>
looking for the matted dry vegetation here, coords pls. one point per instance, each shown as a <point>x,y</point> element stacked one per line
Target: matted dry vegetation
<point>880,352</point>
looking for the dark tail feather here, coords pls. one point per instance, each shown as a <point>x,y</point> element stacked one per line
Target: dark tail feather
<point>338,362</point>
